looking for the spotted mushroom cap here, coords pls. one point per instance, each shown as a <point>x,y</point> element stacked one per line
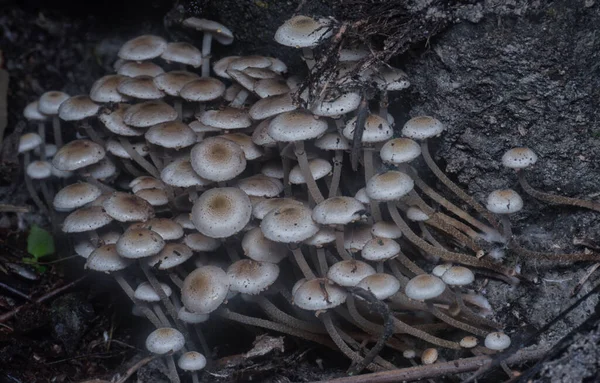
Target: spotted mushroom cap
<point>289,224</point>
<point>221,212</point>
<point>251,277</point>
<point>519,158</point>
<point>205,289</point>
<point>424,287</point>
<point>422,127</point>
<point>349,272</point>
<point>319,294</point>
<point>505,201</point>
<point>164,340</point>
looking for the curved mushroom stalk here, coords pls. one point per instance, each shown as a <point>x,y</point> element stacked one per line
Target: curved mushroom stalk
<point>313,188</point>
<point>553,198</point>
<point>29,184</point>
<point>206,48</point>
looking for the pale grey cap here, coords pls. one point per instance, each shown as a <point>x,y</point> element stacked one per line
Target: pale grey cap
<point>385,229</point>
<point>376,129</point>
<point>250,149</point>
<point>149,113</point>
<point>29,141</point>
<point>296,126</point>
<point>164,340</point>
<point>139,243</point>
<point>349,272</point>
<point>497,341</point>
<point>140,87</point>
<point>303,32</point>
<point>116,148</point>
<point>260,185</point>
<point>248,276</point>
<point>318,167</point>
<point>424,287</point>
<point>381,285</point>
<point>338,211</point>
<point>332,141</point>
<point>319,294</point>
<point>345,103</point>
<point>261,209</point>
<point>380,249</point>
<point>270,87</point>
<point>154,196</point>
<point>39,170</point>
<point>505,201</point>
<point>75,195</point>
<point>189,317</point>
<point>173,254</point>
<point>180,173</point>
<point>458,276</point>
<point>167,228</point>
<point>204,289</point>
<point>202,89</point>
<point>218,159</point>
<point>78,154</point>
<point>221,212</point>
<point>202,243</point>
<point>146,293</point>
<point>272,106</point>
<point>422,127</point>
<point>125,207</point>
<point>519,158</point>
<point>389,186</point>
<point>77,108</point>
<point>113,121</point>
<point>145,47</point>
<point>172,82</point>
<point>227,118</point>
<point>32,112</point>
<point>261,249</point>
<point>105,89</point>
<point>182,53</point>
<point>289,224</point>
<point>191,361</point>
<point>86,219</point>
<point>49,102</point>
<point>220,66</point>
<point>171,135</point>
<point>105,259</point>
<point>399,150</point>
<point>219,32</point>
<point>135,69</point>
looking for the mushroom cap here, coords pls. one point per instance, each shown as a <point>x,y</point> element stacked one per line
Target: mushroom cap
<point>140,87</point>
<point>204,289</point>
<point>252,61</point>
<point>289,224</point>
<point>362,196</point>
<point>349,272</point>
<point>519,158</point>
<point>296,126</point>
<point>250,149</point>
<point>424,286</point>
<point>75,195</point>
<point>77,108</point>
<point>32,112</point>
<point>220,66</point>
<point>116,148</point>
<point>261,249</point>
<point>332,141</point>
<point>154,196</point>
<point>189,317</point>
<point>356,237</point>
<point>218,31</point>
<point>384,229</point>
<point>242,79</point>
<point>228,118</point>
<point>260,185</point>
<point>251,277</point>
<point>164,340</point>
<point>49,150</point>
<point>173,254</point>
<point>182,53</point>
<point>125,207</point>
<point>191,361</point>
<point>139,243</point>
<point>376,129</point>
<point>422,127</point>
<point>399,150</point>
<point>202,89</point>
<point>497,341</point>
<point>505,201</point>
<point>272,169</point>
<point>417,215</point>
<point>85,219</point>
<point>318,167</point>
<point>148,113</point>
<point>78,154</point>
<point>468,341</point>
<point>338,211</point>
<point>270,87</point>
<point>389,186</point>
<point>146,293</point>
<point>217,159</point>
<point>172,82</point>
<point>167,228</point>
<point>324,236</point>
<point>261,209</point>
<point>145,47</point>
<point>200,242</point>
<point>388,78</point>
<point>381,285</point>
<point>180,173</point>
<point>113,121</point>
<point>319,294</point>
<point>185,220</point>
<point>380,249</point>
<point>105,259</point>
<point>39,170</point>
<point>50,102</point>
<point>345,103</point>
<point>429,356</point>
<point>303,32</point>
<point>145,182</point>
<point>458,276</point>
<point>439,270</point>
<point>29,141</point>
<point>221,212</point>
<point>260,135</point>
<point>171,135</point>
<point>144,68</point>
<point>271,106</point>
<point>105,89</point>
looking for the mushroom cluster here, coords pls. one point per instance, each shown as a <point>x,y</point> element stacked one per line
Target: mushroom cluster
<point>241,187</point>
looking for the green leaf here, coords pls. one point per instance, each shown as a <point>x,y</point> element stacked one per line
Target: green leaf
<point>39,242</point>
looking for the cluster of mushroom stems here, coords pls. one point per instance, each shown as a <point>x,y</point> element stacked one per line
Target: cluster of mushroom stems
<point>211,190</point>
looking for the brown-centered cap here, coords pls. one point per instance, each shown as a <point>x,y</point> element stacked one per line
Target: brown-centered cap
<point>202,89</point>
<point>251,150</point>
<point>205,289</point>
<point>135,69</point>
<point>272,106</point>
<point>105,89</point>
<point>172,82</point>
<point>227,118</point>
<point>113,121</point>
<point>105,259</point>
<point>221,212</point>
<point>140,87</point>
<point>145,47</point>
<point>171,135</point>
<point>77,108</point>
<point>217,159</point>
<point>139,243</point>
<point>219,32</point>
<point>248,276</point>
<point>78,154</point>
<point>289,224</point>
<point>75,195</point>
<point>173,254</point>
<point>182,53</point>
<point>125,207</point>
<point>168,229</point>
<point>180,173</point>
<point>149,113</point>
<point>49,102</point>
<point>86,219</point>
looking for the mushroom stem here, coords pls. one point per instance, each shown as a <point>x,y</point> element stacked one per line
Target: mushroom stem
<point>276,314</point>
<point>161,293</point>
<point>206,45</point>
<point>313,188</point>
<point>402,327</point>
<point>161,315</point>
<point>285,163</point>
<point>453,322</point>
<point>309,58</point>
<point>42,134</point>
<point>338,160</point>
<point>398,274</point>
<point>178,105</point>
<point>443,254</point>
<point>410,265</point>
<point>153,152</point>
<point>105,188</point>
<point>369,172</point>
<point>138,158</point>
<point>92,134</point>
<point>173,375</point>
<point>428,236</point>
<point>454,188</point>
<point>342,346</point>
<point>339,242</point>
<point>231,252</point>
<point>323,267</point>
<point>257,322</point>
<point>555,199</point>
<point>449,205</point>
<point>302,264</point>
<point>239,99</point>
<point>131,169</point>
<point>130,293</point>
<point>58,141</point>
<point>32,192</point>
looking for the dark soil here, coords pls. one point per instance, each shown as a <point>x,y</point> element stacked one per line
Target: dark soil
<point>503,74</point>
